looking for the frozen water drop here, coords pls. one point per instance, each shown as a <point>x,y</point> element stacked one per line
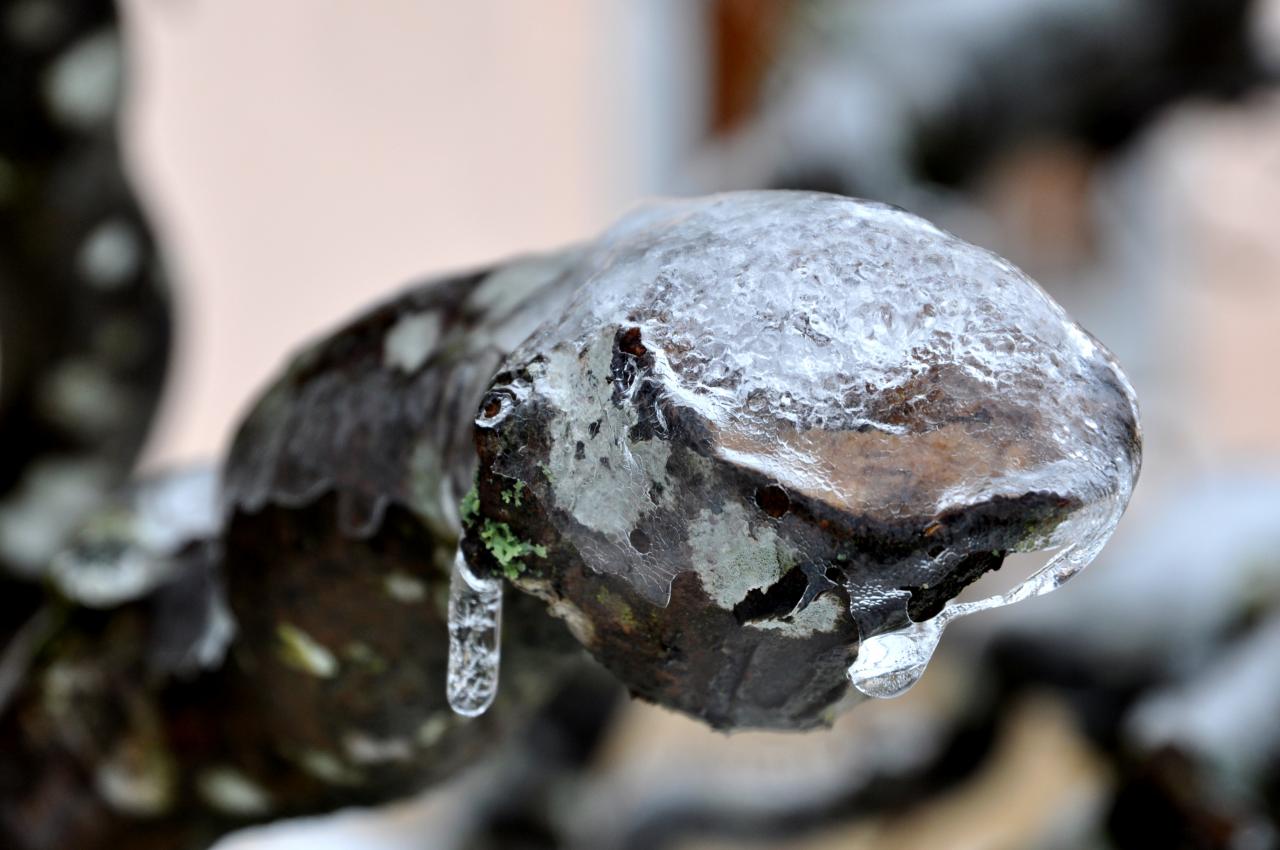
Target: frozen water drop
<point>475,631</point>
<point>888,665</point>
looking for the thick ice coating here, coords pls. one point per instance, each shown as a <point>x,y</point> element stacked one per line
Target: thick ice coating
<point>788,393</point>
<point>817,334</point>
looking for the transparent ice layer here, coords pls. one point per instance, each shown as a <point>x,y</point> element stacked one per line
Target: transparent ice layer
<point>889,664</point>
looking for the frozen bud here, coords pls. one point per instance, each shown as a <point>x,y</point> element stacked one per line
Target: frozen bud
<point>771,426</point>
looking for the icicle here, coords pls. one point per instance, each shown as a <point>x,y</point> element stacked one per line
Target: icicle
<point>475,633</point>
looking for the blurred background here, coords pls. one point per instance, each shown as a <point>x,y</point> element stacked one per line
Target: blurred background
<point>299,159</point>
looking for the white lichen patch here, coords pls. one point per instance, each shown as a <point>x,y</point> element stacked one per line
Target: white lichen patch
<point>523,294</point>
<point>328,768</point>
<point>365,749</point>
<point>821,616</point>
<point>231,792</point>
<point>125,549</point>
<point>100,570</point>
<point>403,587</point>
<point>137,779</point>
<point>433,729</point>
<point>517,280</point>
<point>210,649</point>
<point>83,85</point>
<point>53,497</point>
<point>606,484</point>
<point>81,396</point>
<point>411,341</point>
<point>110,255</point>
<point>302,652</point>
<point>732,558</point>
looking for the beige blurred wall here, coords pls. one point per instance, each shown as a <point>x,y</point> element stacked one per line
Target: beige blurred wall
<point>304,157</point>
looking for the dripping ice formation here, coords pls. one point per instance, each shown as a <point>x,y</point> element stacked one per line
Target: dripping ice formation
<point>889,664</point>
<point>475,639</point>
<point>919,406</point>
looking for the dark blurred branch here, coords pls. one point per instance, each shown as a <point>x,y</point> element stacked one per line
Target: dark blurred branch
<point>885,100</point>
<point>331,694</point>
<point>84,311</point>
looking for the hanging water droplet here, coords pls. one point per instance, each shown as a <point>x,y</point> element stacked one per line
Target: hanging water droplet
<point>889,664</point>
<point>475,632</point>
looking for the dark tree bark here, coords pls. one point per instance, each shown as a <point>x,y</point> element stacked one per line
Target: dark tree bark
<point>84,307</point>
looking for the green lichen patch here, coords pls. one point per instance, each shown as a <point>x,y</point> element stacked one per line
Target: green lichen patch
<point>618,608</point>
<point>514,495</point>
<point>508,549</point>
<point>469,508</point>
<point>1037,533</point>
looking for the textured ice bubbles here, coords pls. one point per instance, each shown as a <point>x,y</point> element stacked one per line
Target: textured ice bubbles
<point>475,624</point>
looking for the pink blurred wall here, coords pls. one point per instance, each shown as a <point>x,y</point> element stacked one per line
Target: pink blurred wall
<point>304,157</point>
